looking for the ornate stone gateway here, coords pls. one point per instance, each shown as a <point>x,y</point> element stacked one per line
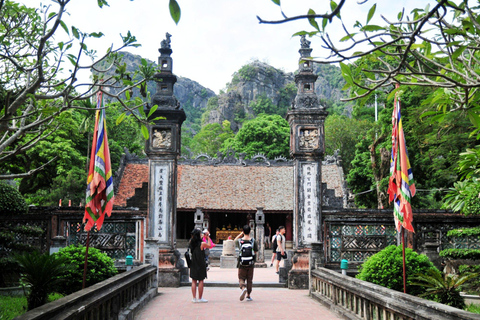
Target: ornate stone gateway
<point>163,150</point>
<point>306,121</point>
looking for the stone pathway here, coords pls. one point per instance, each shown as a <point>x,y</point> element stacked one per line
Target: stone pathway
<point>223,303</point>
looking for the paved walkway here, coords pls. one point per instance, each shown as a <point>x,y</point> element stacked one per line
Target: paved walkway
<point>223,303</point>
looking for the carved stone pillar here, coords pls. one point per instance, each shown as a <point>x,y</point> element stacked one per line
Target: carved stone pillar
<point>163,150</point>
<point>259,235</point>
<point>307,134</point>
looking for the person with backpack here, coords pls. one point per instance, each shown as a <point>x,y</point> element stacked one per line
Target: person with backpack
<point>274,247</point>
<point>247,250</point>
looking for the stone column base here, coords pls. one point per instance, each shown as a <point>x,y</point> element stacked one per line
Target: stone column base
<point>298,279</point>
<point>228,262</point>
<point>169,277</point>
<point>260,265</point>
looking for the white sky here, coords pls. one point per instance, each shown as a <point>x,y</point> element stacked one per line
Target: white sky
<point>214,38</point>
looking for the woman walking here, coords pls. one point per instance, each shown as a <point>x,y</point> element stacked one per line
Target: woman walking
<point>198,268</point>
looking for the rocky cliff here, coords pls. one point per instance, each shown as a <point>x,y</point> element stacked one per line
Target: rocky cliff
<point>192,96</point>
<point>258,79</point>
<point>255,80</point>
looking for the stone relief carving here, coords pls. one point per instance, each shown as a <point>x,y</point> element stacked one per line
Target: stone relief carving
<point>165,44</point>
<point>306,102</point>
<point>308,139</point>
<point>162,139</point>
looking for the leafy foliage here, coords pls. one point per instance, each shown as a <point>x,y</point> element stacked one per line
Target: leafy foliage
<point>385,268</point>
<point>460,253</point>
<point>39,83</point>
<point>467,232</point>
<point>266,134</point>
<point>11,201</point>
<point>463,196</point>
<point>100,268</point>
<point>263,104</point>
<point>41,272</point>
<point>210,138</point>
<point>472,286</point>
<point>343,133</point>
<point>442,288</point>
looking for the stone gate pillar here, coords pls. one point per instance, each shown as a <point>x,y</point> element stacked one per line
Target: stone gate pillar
<point>259,236</point>
<point>163,150</point>
<point>306,119</point>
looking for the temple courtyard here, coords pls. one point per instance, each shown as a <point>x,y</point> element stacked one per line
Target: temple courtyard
<point>270,300</point>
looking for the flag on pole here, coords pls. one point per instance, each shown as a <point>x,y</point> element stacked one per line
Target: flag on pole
<point>401,186</point>
<point>99,195</point>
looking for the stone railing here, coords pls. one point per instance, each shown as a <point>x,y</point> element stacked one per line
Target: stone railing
<point>119,297</point>
<point>357,299</point>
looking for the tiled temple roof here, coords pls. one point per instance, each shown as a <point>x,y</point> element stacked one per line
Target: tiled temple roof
<point>238,185</point>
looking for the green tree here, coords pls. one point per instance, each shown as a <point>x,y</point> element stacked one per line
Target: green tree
<point>12,235</point>
<point>265,134</point>
<point>343,133</point>
<point>210,138</point>
<point>37,90</point>
<point>263,104</point>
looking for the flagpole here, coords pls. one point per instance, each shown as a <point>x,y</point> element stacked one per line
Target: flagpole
<point>403,254</point>
<point>86,261</point>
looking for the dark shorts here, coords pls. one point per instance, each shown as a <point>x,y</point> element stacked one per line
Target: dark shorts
<point>279,256</point>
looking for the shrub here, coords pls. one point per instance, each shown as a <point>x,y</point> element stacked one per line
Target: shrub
<point>460,253</point>
<point>40,272</point>
<point>472,286</point>
<point>443,288</point>
<point>100,267</point>
<point>385,268</point>
<point>11,201</point>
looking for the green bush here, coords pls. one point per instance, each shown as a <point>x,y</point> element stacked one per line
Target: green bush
<point>11,201</point>
<point>443,288</point>
<point>100,267</point>
<point>385,268</point>
<point>473,286</point>
<point>460,253</point>
<point>41,273</point>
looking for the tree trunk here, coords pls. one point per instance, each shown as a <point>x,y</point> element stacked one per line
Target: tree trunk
<point>379,168</point>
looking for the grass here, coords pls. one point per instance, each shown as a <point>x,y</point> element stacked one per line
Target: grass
<point>475,308</point>
<point>11,307</point>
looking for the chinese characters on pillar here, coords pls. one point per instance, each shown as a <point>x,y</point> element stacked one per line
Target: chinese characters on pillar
<point>309,223</point>
<point>161,195</point>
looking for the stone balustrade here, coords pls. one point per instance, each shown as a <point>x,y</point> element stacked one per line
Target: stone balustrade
<point>357,299</point>
<point>119,297</point>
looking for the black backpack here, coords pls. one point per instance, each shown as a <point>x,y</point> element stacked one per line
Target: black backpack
<point>247,256</point>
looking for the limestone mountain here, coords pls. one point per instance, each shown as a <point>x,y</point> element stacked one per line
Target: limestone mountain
<point>257,82</point>
<point>192,96</point>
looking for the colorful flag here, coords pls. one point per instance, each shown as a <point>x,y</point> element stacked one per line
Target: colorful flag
<point>401,187</point>
<point>99,195</point>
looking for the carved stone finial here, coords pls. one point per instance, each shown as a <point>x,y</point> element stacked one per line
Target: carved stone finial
<point>304,43</point>
<point>165,44</point>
